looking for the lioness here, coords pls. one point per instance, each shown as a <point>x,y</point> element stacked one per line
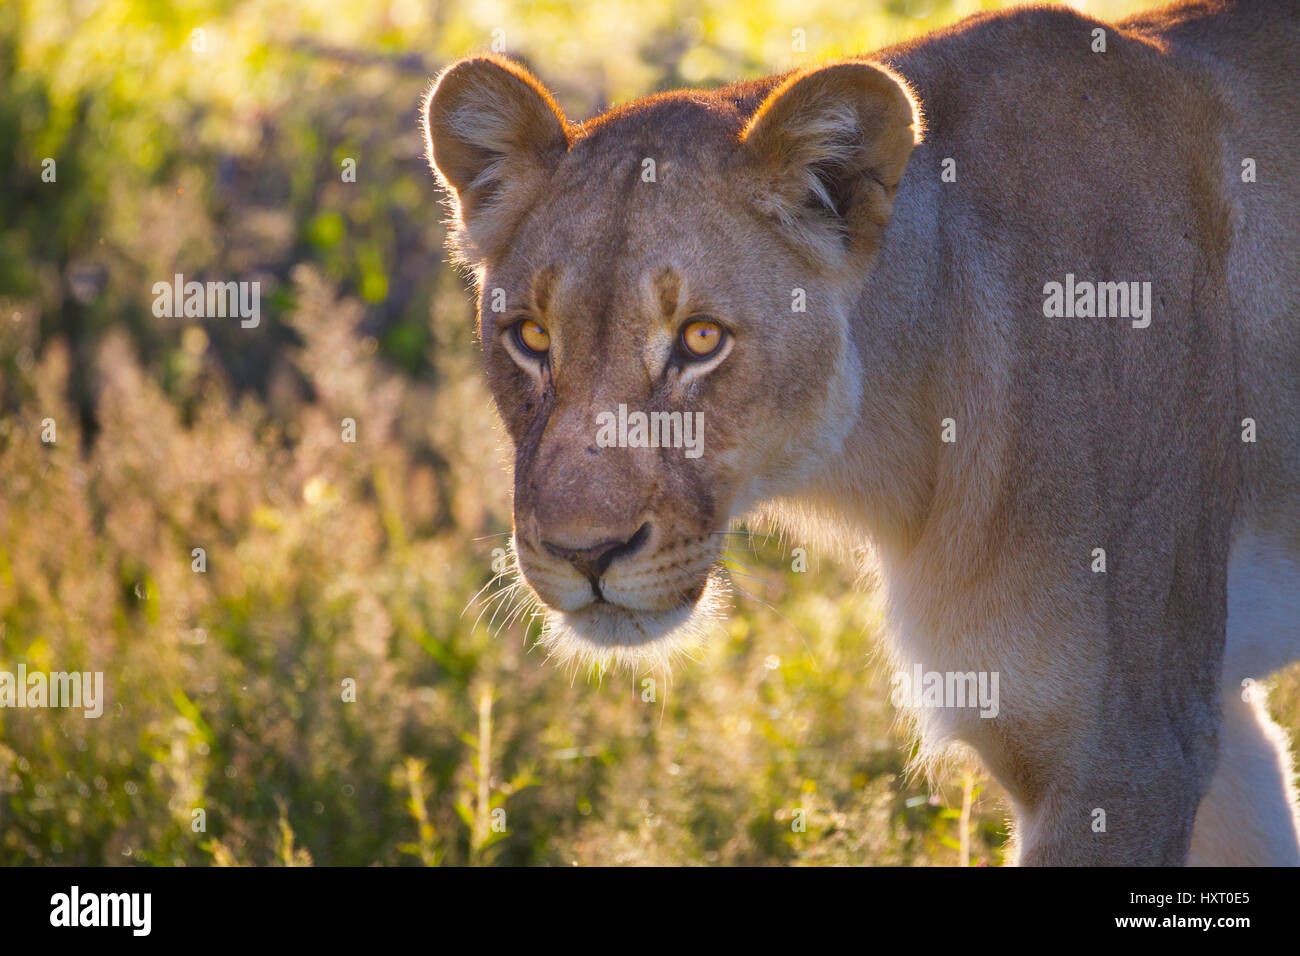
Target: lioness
<point>1017,303</point>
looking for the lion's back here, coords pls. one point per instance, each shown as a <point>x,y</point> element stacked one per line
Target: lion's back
<point>1162,148</point>
<point>1252,48</point>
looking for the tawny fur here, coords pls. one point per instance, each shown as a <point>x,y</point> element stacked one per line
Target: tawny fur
<point>923,302</point>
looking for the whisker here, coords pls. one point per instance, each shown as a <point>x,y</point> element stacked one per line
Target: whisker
<point>492,621</point>
<point>747,567</point>
<point>519,610</point>
<point>495,599</point>
<point>492,580</point>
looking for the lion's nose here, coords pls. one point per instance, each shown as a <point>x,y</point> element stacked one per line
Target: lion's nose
<point>594,561</point>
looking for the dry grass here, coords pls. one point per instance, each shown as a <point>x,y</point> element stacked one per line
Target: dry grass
<point>329,561</point>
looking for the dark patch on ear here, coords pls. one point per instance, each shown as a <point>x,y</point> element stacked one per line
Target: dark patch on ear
<point>824,154</point>
<point>838,188</point>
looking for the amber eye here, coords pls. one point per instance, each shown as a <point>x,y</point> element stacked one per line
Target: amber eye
<point>701,338</point>
<point>531,337</point>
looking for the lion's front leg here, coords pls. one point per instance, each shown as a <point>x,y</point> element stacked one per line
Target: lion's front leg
<point>1114,775</point>
<point>1132,804</point>
<point>1107,736</point>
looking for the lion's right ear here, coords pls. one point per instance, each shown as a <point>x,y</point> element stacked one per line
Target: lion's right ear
<point>493,135</point>
<point>824,154</point>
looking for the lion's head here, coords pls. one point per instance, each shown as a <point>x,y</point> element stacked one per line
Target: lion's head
<point>677,272</point>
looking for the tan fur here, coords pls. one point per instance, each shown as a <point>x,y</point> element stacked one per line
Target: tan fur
<point>924,302</point>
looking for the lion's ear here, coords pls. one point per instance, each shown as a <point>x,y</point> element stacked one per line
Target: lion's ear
<point>824,154</point>
<point>493,135</point>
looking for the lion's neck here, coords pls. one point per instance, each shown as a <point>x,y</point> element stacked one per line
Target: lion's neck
<point>880,483</point>
<point>883,481</point>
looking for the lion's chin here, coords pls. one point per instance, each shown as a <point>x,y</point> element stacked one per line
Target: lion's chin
<point>600,636</point>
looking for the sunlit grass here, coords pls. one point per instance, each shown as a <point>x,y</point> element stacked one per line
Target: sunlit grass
<point>330,562</point>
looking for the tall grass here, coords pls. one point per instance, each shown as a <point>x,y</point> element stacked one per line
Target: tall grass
<point>325,690</point>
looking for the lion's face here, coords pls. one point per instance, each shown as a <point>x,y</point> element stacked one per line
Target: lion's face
<point>663,312</point>
<point>616,537</point>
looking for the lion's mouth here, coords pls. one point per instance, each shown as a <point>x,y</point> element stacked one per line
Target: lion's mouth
<point>602,633</point>
<point>690,598</point>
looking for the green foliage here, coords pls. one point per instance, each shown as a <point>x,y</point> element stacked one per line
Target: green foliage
<point>329,561</point>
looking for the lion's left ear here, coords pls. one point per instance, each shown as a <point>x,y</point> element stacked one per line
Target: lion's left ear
<point>494,136</point>
<point>824,154</point>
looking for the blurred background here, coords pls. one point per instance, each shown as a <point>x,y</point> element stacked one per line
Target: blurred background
<point>212,139</point>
